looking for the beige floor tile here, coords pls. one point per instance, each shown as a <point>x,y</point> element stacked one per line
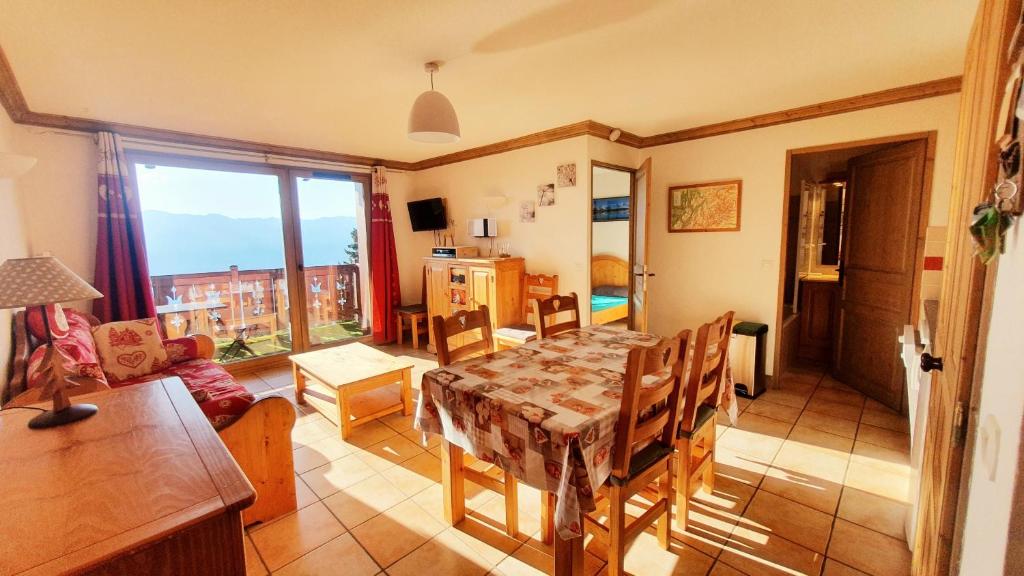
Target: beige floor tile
<point>834,409</point>
<point>307,434</point>
<point>415,474</point>
<point>756,552</point>
<point>883,437</point>
<point>879,471</point>
<point>342,557</point>
<point>536,559</point>
<point>868,551</point>
<point>320,452</point>
<point>395,450</point>
<point>341,473</point>
<point>739,466</point>
<point>879,455</point>
<point>833,568</point>
<point>755,436</point>
<point>819,439</point>
<point>397,532</point>
<point>829,382</point>
<point>253,383</point>
<point>885,418</point>
<point>808,489</point>
<point>303,495</point>
<point>713,516</point>
<point>795,522</point>
<point>368,434</point>
<point>800,377</point>
<point>444,554</point>
<point>363,500</point>
<point>839,396</point>
<point>433,440</point>
<point>796,398</point>
<point>486,538</point>
<point>291,536</point>
<point>875,512</point>
<point>826,423</point>
<point>723,569</point>
<point>253,563</point>
<point>399,422</point>
<point>647,557</point>
<point>781,412</point>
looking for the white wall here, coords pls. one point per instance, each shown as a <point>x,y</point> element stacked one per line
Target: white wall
<point>700,275</point>
<point>1001,408</point>
<point>12,232</point>
<point>556,243</point>
<point>610,237</point>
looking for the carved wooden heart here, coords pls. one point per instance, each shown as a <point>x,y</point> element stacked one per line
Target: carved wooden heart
<point>132,360</point>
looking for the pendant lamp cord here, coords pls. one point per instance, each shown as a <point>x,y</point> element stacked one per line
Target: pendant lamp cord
<point>431,80</point>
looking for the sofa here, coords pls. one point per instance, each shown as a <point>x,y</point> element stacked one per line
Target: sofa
<point>257,432</point>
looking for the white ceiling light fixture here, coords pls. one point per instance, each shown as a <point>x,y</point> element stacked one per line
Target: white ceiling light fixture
<point>433,118</point>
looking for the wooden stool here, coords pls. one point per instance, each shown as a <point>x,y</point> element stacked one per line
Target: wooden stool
<point>414,314</point>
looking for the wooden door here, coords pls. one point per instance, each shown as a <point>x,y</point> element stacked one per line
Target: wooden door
<point>880,258</point>
<point>817,320</point>
<point>640,220</point>
<point>975,169</point>
<point>437,293</point>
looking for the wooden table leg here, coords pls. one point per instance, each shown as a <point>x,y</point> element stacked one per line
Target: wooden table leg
<point>453,482</point>
<point>300,383</point>
<point>407,409</point>
<point>415,320</point>
<point>344,413</point>
<point>568,556</point>
<point>547,517</point>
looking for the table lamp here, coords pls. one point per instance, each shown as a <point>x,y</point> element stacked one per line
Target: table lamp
<point>42,281</point>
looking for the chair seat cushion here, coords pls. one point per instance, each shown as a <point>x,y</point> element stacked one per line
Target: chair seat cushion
<point>704,413</point>
<point>220,397</point>
<point>642,461</point>
<point>520,332</point>
<point>412,309</point>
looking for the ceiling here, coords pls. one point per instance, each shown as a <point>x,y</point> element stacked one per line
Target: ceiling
<point>340,76</point>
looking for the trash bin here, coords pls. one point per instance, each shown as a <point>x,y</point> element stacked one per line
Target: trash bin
<point>747,350</point>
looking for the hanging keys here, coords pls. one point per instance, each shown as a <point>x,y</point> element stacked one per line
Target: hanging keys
<point>991,220</point>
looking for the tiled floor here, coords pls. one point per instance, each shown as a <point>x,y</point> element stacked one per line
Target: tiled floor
<point>812,480</point>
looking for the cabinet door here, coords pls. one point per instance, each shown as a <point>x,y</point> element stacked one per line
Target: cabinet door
<point>437,294</point>
<point>482,290</point>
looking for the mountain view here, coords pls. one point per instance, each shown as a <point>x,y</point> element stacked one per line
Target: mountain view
<point>189,243</point>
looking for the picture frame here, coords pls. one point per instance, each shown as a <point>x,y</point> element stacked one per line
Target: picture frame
<point>705,206</point>
<point>610,209</point>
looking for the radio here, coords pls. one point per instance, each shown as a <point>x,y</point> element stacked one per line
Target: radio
<point>455,252</point>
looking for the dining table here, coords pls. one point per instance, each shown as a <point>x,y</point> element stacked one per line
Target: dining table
<point>544,412</point>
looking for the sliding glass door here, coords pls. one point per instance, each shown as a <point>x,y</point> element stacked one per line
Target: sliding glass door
<point>263,260</point>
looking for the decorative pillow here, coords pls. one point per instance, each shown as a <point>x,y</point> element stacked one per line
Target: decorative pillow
<point>58,321</point>
<point>130,349</point>
<point>181,349</point>
<point>617,291</point>
<point>73,365</point>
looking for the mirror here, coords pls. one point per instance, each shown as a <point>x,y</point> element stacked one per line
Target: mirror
<point>610,253</point>
<point>821,227</point>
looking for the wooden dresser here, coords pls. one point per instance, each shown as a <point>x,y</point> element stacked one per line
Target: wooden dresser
<point>468,283</point>
<point>143,487</point>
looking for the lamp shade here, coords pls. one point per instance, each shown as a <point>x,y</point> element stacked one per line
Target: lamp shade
<point>14,165</point>
<point>40,281</point>
<point>433,119</point>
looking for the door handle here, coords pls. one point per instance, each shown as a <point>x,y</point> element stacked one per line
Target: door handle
<point>929,363</point>
<point>648,274</point>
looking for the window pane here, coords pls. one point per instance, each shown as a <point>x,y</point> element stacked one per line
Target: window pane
<point>215,247</point>
<point>334,256</point>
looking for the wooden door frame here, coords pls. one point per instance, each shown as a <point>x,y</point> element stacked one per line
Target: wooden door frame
<point>930,137</point>
<point>590,234</point>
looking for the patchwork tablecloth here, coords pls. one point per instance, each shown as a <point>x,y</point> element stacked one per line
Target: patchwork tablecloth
<point>545,412</point>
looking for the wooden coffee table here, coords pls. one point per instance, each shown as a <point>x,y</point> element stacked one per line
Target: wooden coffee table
<point>334,375</point>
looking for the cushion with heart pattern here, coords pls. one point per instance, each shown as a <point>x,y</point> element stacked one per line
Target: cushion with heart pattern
<point>130,349</point>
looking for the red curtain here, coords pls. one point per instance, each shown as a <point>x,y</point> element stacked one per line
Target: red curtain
<point>383,260</point>
<point>122,274</point>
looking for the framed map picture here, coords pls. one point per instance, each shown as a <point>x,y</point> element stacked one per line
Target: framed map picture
<point>706,207</point>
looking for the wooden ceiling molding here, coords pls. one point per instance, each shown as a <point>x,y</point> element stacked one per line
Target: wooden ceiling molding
<point>17,108</point>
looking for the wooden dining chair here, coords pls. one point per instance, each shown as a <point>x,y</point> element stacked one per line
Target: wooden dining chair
<point>411,314</point>
<point>695,443</point>
<point>645,437</point>
<point>463,325</point>
<point>546,314</point>
<point>535,287</point>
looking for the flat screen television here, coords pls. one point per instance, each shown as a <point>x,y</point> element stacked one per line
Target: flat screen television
<point>428,215</point>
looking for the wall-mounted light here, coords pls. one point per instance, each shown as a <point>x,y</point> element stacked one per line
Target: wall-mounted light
<point>14,165</point>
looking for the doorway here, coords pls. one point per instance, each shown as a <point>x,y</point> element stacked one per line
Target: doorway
<point>611,245</point>
<point>853,228</point>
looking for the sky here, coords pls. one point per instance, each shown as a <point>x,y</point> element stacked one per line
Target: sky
<point>238,194</point>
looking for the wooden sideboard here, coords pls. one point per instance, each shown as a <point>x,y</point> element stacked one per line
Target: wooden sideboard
<point>143,487</point>
<point>468,283</point>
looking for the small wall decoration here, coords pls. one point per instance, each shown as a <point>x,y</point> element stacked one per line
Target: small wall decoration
<point>546,195</point>
<point>567,175</point>
<point>527,212</point>
<point>706,207</point>
<point>610,209</point>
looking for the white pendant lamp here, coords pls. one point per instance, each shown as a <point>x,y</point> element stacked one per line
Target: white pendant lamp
<point>433,118</point>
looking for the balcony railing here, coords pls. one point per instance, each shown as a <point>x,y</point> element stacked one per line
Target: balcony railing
<point>246,312</point>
